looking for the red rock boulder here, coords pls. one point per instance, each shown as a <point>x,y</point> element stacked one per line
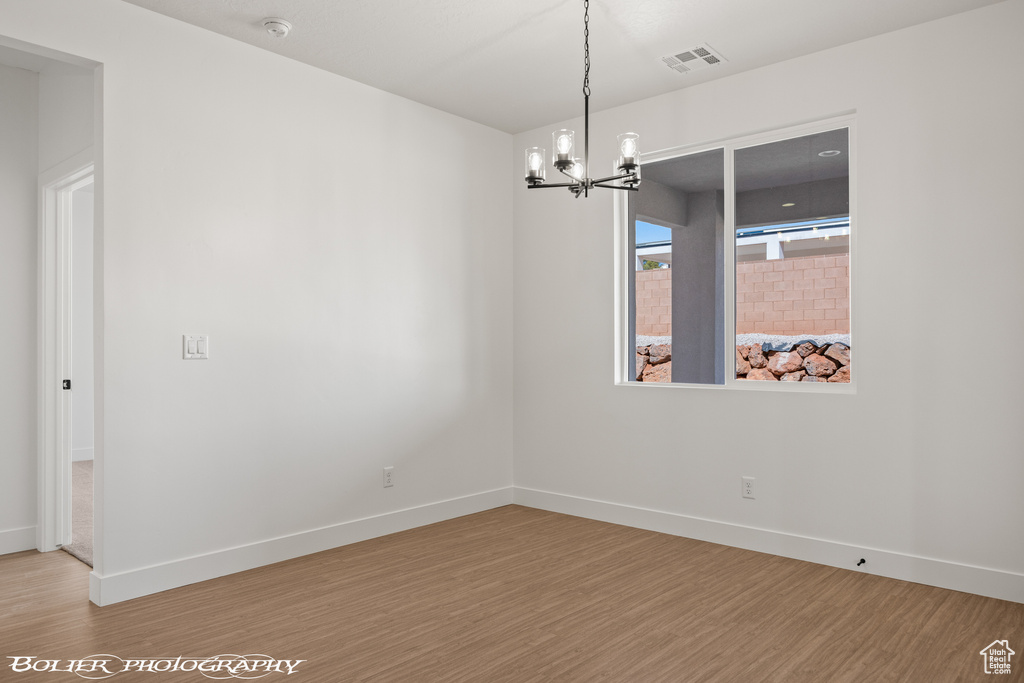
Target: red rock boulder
<point>784,363</point>
<point>660,353</point>
<point>658,373</point>
<point>840,353</point>
<point>842,375</point>
<point>742,366</point>
<point>806,349</point>
<point>819,366</point>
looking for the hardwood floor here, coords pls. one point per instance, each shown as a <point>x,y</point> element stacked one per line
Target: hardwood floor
<point>517,594</point>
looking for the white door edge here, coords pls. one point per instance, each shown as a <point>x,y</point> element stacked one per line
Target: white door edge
<point>54,356</point>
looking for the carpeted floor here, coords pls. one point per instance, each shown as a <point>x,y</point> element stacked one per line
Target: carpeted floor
<point>81,512</point>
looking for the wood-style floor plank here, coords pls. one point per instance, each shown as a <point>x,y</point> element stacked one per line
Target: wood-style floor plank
<point>523,595</point>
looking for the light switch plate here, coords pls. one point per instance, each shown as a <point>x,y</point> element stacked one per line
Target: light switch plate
<point>195,346</point>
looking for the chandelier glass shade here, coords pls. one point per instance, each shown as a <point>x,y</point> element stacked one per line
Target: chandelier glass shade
<point>626,174</point>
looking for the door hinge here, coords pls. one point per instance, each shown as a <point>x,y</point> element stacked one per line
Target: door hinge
<point>67,384</point>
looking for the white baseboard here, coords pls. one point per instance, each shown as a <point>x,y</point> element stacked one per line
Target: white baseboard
<point>16,540</point>
<point>80,454</point>
<point>112,588</point>
<point>991,583</point>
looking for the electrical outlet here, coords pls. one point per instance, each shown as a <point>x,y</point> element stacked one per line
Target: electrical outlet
<point>748,487</point>
<point>389,476</point>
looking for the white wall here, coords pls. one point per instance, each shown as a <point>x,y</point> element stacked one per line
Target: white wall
<point>18,111</point>
<point>923,463</point>
<point>82,409</point>
<point>66,95</point>
<point>241,195</point>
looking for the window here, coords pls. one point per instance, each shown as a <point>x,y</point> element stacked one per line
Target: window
<point>685,302</point>
<point>737,263</point>
<point>793,259</point>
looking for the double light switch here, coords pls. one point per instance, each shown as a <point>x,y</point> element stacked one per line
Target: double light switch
<point>196,346</point>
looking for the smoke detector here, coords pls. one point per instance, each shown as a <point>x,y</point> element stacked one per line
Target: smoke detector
<point>694,59</point>
<point>278,28</point>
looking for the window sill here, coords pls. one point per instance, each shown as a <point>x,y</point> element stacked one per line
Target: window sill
<point>757,385</point>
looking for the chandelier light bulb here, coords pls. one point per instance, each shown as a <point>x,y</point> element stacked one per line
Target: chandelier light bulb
<point>562,142</point>
<point>629,149</point>
<point>535,165</point>
<point>576,171</point>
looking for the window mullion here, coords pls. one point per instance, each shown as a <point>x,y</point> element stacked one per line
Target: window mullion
<point>729,240</point>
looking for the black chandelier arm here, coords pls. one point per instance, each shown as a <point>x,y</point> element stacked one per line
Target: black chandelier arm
<point>628,188</point>
<point>542,186</point>
<point>615,177</point>
<point>578,188</point>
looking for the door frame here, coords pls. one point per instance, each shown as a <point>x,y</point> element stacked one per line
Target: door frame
<point>54,359</point>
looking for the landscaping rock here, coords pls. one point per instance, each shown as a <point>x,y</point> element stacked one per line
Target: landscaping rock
<point>840,353</point>
<point>762,374</point>
<point>805,349</point>
<point>785,363</point>
<point>660,353</point>
<point>641,363</point>
<point>658,373</point>
<point>804,362</point>
<point>742,366</point>
<point>842,375</point>
<point>818,366</point>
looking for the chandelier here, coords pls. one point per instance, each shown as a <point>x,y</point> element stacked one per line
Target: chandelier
<point>627,168</point>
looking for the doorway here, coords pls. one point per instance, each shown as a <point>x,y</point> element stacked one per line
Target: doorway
<point>52,133</point>
<point>67,312</point>
<point>82,408</point>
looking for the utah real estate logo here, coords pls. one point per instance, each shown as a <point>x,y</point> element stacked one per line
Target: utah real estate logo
<point>997,657</point>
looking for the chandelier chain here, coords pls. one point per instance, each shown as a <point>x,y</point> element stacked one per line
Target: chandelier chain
<point>586,48</point>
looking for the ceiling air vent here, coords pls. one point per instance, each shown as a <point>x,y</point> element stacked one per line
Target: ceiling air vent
<point>694,59</point>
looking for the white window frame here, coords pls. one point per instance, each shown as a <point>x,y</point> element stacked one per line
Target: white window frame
<point>625,351</point>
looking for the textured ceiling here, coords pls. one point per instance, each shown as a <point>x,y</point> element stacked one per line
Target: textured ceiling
<point>518,65</point>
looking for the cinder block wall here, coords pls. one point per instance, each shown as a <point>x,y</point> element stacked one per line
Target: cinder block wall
<point>654,302</point>
<point>808,295</point>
